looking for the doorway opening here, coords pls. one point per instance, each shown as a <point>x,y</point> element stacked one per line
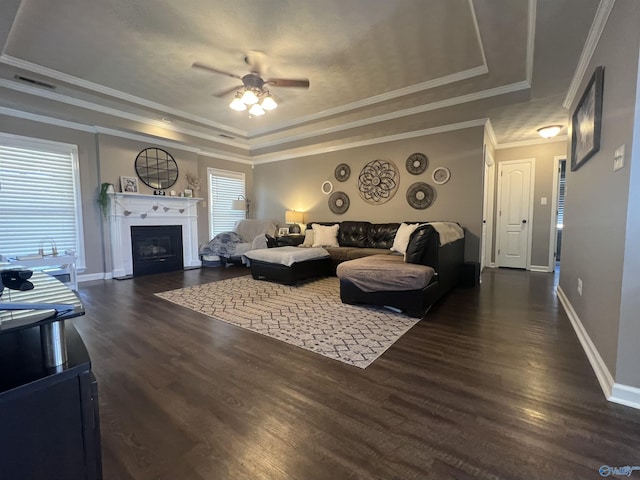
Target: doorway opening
<point>558,220</point>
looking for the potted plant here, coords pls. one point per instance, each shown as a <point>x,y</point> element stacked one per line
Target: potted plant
<point>104,198</point>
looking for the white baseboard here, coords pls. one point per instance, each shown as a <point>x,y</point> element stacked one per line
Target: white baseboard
<point>539,268</point>
<point>625,395</point>
<point>599,367</point>
<point>614,392</point>
<point>94,276</point>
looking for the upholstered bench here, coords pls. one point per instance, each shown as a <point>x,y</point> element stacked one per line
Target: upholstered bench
<point>288,264</point>
<point>387,280</point>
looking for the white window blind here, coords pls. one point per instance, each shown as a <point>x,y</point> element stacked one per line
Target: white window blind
<point>561,191</point>
<point>39,197</point>
<point>224,187</point>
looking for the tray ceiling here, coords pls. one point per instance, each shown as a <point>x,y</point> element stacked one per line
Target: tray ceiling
<point>115,61</point>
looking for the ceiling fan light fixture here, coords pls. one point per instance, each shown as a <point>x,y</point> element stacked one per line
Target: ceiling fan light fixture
<point>249,97</point>
<point>237,104</point>
<point>549,131</point>
<point>256,110</point>
<point>268,103</point>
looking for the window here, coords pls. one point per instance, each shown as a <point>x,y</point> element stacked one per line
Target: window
<point>224,188</point>
<point>39,197</point>
<point>561,190</point>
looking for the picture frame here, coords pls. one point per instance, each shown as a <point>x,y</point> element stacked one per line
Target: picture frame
<point>188,193</point>
<point>283,231</point>
<point>129,184</point>
<point>586,121</point>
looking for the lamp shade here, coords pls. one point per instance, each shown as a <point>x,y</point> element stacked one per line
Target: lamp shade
<point>291,216</point>
<point>238,205</point>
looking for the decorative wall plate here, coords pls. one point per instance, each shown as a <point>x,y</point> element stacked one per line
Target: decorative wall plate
<point>342,172</point>
<point>378,181</point>
<point>326,187</point>
<point>339,203</point>
<point>421,195</point>
<point>417,163</point>
<point>441,175</point>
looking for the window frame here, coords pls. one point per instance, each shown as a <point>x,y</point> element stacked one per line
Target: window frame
<point>219,172</point>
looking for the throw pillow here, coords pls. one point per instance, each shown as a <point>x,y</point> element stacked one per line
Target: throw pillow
<point>325,236</point>
<point>308,238</point>
<point>417,244</point>
<point>403,234</point>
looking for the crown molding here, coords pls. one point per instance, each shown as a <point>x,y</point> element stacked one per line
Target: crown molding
<point>61,98</point>
<point>281,156</point>
<point>478,36</point>
<point>10,112</point>
<point>531,38</point>
<point>491,133</point>
<point>527,143</point>
<point>101,89</point>
<point>597,27</point>
<point>449,102</point>
<point>367,102</point>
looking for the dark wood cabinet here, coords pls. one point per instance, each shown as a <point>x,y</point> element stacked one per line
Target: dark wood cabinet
<point>49,419</point>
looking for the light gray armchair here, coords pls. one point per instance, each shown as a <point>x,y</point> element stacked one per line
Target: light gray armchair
<point>231,246</point>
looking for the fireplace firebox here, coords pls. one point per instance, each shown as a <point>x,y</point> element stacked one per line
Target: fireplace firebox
<point>156,249</point>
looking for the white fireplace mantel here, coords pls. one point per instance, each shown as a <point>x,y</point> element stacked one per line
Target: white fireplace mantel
<point>128,210</point>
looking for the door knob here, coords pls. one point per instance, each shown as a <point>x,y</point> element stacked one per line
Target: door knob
<point>524,221</point>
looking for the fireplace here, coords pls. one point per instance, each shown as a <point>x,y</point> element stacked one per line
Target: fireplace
<point>156,249</point>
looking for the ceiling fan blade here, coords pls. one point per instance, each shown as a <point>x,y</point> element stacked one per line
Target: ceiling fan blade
<point>226,92</point>
<point>207,68</point>
<point>288,82</point>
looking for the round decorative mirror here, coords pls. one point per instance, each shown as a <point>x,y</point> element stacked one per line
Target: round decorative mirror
<point>326,187</point>
<point>156,168</point>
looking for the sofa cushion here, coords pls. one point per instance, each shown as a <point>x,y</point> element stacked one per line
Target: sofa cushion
<point>324,236</point>
<point>308,238</point>
<point>418,244</point>
<point>402,237</point>
<point>339,254</point>
<point>353,234</point>
<point>381,235</point>
<point>385,273</point>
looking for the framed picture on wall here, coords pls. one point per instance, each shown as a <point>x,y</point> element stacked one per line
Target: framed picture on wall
<point>586,121</point>
<point>129,184</point>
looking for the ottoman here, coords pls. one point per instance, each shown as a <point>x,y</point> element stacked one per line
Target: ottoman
<point>288,264</point>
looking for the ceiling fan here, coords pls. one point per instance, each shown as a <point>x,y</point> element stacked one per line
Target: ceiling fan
<point>253,93</point>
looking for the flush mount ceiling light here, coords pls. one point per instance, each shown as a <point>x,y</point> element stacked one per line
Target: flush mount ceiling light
<point>549,131</point>
<point>253,95</point>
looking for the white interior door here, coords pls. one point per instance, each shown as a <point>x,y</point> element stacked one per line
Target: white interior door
<point>515,206</point>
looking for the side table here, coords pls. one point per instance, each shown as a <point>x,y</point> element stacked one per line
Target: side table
<point>290,240</point>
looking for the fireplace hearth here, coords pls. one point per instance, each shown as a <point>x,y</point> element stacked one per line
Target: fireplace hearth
<point>156,249</point>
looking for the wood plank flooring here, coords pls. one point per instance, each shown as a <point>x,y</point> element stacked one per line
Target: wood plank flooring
<point>493,384</point>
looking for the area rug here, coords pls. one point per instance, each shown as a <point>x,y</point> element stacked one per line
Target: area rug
<point>309,315</point>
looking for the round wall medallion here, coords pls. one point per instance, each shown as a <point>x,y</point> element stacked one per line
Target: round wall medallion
<point>339,203</point>
<point>417,163</point>
<point>342,172</point>
<point>378,181</point>
<point>421,195</point>
<point>326,187</point>
<point>441,175</point>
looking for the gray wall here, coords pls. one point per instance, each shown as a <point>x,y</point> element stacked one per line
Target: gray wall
<point>541,224</point>
<point>295,184</point>
<point>596,200</point>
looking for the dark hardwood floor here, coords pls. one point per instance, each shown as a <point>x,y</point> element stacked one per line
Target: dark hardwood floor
<point>493,384</point>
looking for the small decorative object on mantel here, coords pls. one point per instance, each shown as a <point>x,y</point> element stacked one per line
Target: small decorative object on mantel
<point>378,181</point>
<point>586,122</point>
<point>441,175</point>
<point>339,203</point>
<point>421,195</point>
<point>192,180</point>
<point>188,192</point>
<point>129,184</point>
<point>417,163</point>
<point>342,173</point>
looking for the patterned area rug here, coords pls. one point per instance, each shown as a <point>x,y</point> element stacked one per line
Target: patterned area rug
<point>309,315</point>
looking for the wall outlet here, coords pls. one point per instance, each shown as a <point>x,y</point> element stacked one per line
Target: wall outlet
<point>580,286</point>
<point>618,158</point>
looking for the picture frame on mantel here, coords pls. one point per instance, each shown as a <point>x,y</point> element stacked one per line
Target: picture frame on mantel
<point>128,184</point>
<point>586,121</point>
